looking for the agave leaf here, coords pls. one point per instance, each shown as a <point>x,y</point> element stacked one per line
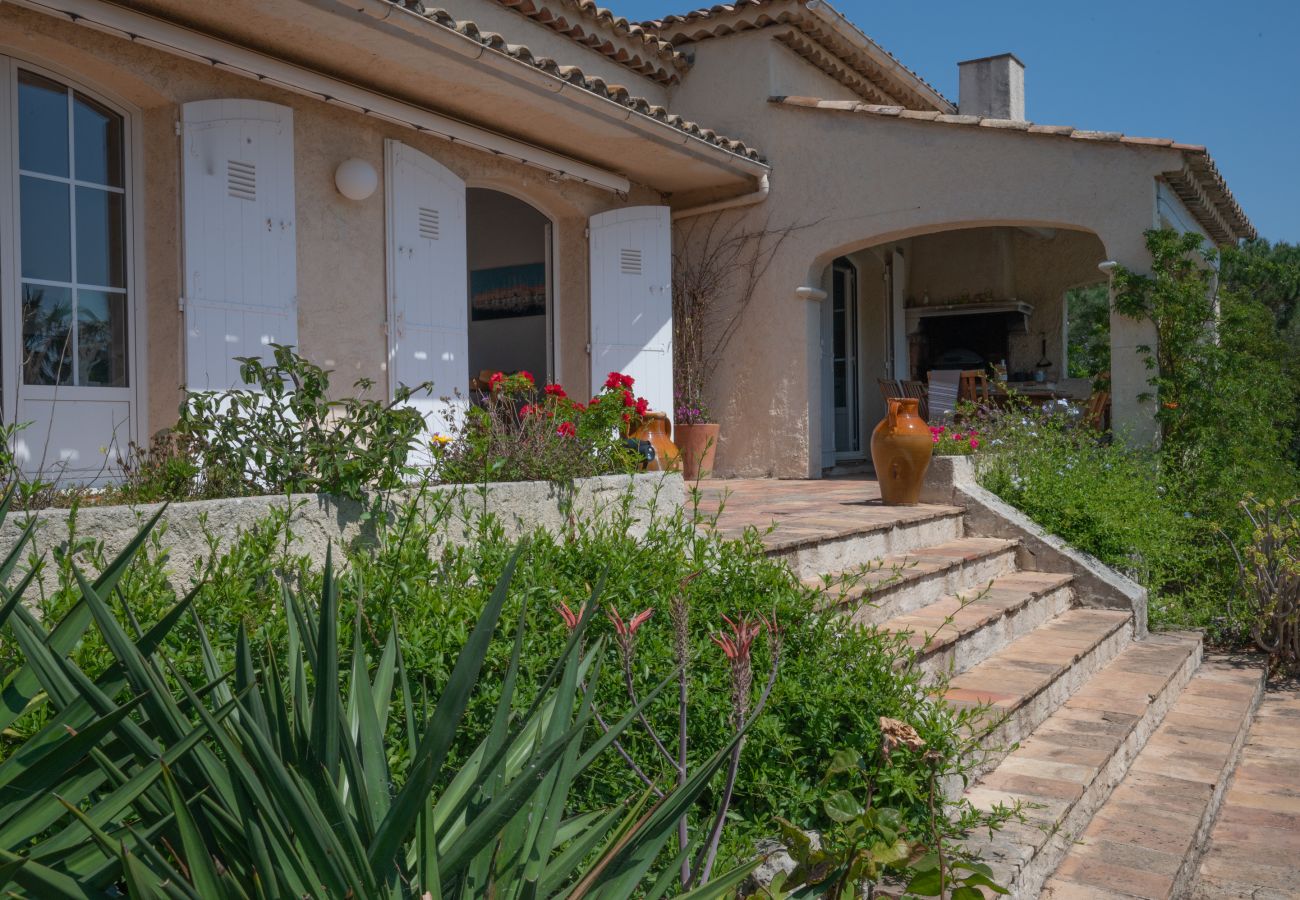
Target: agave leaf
<point>325,723</point>
<point>441,728</point>
<point>21,685</point>
<point>722,886</point>
<point>579,836</point>
<point>42,881</point>
<point>201,871</point>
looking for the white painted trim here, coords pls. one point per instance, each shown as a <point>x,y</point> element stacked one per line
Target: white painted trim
<point>149,31</point>
<point>816,295</point>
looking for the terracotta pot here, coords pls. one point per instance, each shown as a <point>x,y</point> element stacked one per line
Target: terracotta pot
<point>658,431</point>
<point>900,450</point>
<point>698,444</point>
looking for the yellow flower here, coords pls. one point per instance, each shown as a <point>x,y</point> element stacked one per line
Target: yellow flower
<point>441,440</point>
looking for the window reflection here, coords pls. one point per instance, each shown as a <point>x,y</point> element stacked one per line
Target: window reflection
<point>42,125</point>
<point>101,338</point>
<point>47,334</point>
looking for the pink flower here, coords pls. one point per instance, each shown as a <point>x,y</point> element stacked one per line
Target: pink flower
<point>626,630</point>
<point>738,644</point>
<point>566,429</point>
<point>959,436</point>
<point>974,444</point>
<point>569,616</point>
<point>934,439</point>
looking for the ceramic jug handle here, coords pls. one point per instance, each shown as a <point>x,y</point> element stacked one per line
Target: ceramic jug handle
<point>893,415</point>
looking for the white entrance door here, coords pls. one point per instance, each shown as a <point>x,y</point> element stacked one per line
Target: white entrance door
<point>631,300</point>
<point>428,326</point>
<point>241,252</point>
<point>65,250</point>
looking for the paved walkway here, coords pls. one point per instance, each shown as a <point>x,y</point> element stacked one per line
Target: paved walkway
<point>805,510</point>
<point>1254,849</point>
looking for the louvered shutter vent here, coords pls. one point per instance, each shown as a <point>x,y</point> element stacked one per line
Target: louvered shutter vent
<point>428,223</point>
<point>629,261</point>
<point>241,180</point>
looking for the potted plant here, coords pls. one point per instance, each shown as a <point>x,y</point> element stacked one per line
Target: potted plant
<point>696,436</point>
<point>718,264</point>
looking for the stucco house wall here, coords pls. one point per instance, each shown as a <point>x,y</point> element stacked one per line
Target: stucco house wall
<point>854,181</point>
<point>340,245</point>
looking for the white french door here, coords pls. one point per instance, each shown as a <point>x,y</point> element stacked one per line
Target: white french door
<point>844,361</point>
<point>69,329</point>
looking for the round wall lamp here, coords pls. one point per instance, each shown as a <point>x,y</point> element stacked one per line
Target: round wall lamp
<point>356,179</point>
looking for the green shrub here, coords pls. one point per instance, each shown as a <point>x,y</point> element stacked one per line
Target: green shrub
<point>283,432</point>
<point>273,780</point>
<point>834,683</point>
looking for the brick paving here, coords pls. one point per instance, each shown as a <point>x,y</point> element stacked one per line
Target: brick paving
<point>806,511</point>
<point>1143,841</point>
<point>1254,848</point>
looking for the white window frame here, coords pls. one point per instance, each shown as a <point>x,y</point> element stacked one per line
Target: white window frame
<point>136,393</point>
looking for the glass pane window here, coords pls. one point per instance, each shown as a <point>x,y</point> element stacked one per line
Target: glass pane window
<point>72,228</point>
<point>101,258</point>
<point>46,231</point>
<point>42,125</point>
<point>47,334</point>
<point>97,139</point>
<point>101,337</point>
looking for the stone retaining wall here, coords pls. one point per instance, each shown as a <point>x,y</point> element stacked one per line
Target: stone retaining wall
<point>951,480</point>
<point>319,521</point>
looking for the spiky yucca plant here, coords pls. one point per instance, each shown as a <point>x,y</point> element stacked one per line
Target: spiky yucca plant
<point>273,779</point>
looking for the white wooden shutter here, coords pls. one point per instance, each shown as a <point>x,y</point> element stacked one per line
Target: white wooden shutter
<point>631,300</point>
<point>428,283</point>
<point>241,256</point>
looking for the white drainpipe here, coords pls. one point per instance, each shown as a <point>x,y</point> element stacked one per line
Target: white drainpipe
<point>758,196</point>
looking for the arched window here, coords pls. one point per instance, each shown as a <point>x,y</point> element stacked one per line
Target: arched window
<point>71,225</point>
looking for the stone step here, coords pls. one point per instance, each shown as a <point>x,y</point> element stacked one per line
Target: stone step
<point>962,630</point>
<point>1254,849</point>
<point>1065,770</point>
<point>842,539</point>
<point>1030,678</point>
<point>1146,840</point>
<point>897,584</point>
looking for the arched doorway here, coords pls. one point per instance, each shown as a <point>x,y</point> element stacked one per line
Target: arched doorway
<point>510,294</point>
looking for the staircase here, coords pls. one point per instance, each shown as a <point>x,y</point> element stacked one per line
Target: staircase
<point>1118,745</point>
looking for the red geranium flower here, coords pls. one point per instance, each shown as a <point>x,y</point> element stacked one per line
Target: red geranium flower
<point>497,378</point>
<point>526,409</point>
<point>642,405</point>
<point>566,429</point>
<point>555,390</point>
<point>614,380</point>
<point>626,417</point>
<point>626,380</point>
<point>528,375</point>
<point>628,399</point>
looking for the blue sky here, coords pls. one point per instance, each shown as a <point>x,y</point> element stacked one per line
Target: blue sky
<point>1226,75</point>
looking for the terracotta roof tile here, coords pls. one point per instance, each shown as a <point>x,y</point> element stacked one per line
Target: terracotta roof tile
<point>582,19</point>
<point>575,76</point>
<point>823,25</point>
<point>1198,184</point>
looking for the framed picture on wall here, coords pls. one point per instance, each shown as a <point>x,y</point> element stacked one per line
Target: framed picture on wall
<point>507,292</point>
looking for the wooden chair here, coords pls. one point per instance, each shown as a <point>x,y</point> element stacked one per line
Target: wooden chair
<point>1098,412</point>
<point>889,387</point>
<point>975,387</point>
<point>917,390</point>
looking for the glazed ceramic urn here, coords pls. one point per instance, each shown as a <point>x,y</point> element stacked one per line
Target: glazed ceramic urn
<point>900,451</point>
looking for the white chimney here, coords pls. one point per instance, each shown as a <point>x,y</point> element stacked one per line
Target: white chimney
<point>993,87</point>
